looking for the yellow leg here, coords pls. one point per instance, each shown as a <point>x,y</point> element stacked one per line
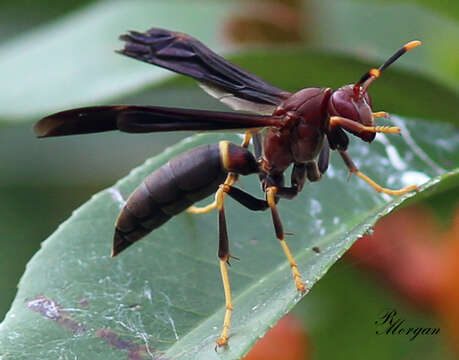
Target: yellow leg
<point>379,188</point>
<point>271,196</point>
<point>230,180</point>
<point>247,138</point>
<point>223,253</point>
<point>382,129</point>
<point>223,339</point>
<point>296,275</point>
<point>202,210</point>
<point>380,114</point>
<point>355,127</point>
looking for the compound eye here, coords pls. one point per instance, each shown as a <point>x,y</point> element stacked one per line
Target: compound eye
<point>344,105</point>
<point>367,98</point>
<point>365,114</point>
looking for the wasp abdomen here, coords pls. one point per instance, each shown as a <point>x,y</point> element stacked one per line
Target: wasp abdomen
<point>175,186</point>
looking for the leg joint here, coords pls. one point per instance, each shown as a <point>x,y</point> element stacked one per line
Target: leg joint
<point>271,196</point>
<point>225,187</point>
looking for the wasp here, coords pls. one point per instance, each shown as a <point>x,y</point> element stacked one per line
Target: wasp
<point>297,129</point>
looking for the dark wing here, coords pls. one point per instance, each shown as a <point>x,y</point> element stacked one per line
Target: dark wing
<point>183,54</point>
<point>144,119</point>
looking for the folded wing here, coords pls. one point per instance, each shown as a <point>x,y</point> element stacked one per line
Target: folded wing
<point>183,54</point>
<point>145,119</point>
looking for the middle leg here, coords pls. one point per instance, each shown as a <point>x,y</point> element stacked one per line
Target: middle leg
<point>271,199</point>
<point>224,255</point>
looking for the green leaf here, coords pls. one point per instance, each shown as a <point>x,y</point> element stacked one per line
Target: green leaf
<point>449,9</point>
<point>383,26</point>
<point>162,298</point>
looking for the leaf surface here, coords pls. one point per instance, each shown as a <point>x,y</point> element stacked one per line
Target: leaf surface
<point>162,298</point>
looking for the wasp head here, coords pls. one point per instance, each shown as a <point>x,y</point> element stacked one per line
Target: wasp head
<point>353,103</point>
<point>344,103</point>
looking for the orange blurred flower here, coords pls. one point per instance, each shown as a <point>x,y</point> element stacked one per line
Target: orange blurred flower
<point>287,341</point>
<point>410,254</point>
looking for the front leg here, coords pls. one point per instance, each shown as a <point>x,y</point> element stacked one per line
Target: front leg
<point>354,170</point>
<point>357,128</point>
<point>300,172</point>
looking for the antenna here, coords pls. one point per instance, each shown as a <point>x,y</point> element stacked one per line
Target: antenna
<point>367,79</point>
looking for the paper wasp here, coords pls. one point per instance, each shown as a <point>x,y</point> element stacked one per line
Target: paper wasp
<point>299,128</point>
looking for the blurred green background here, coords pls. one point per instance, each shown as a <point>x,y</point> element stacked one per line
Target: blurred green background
<point>41,182</point>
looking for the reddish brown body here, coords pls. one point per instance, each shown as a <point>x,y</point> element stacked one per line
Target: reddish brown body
<point>298,126</point>
<point>300,137</point>
<point>300,129</point>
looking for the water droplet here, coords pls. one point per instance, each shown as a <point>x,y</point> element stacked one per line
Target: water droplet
<point>316,207</point>
<point>414,177</point>
<point>370,231</point>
